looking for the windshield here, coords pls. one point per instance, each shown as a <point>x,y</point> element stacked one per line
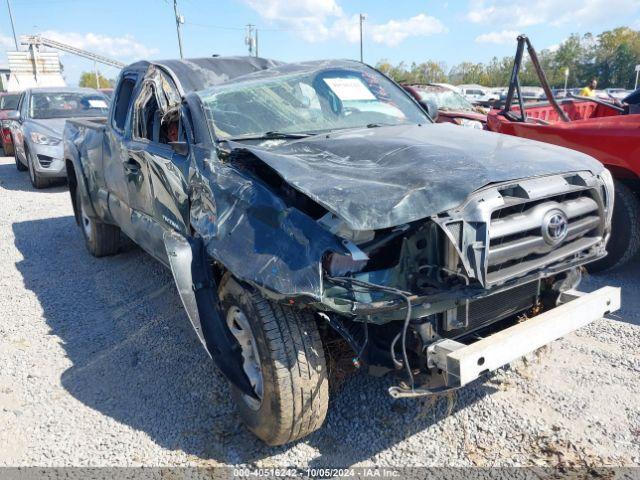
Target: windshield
<point>67,105</point>
<point>445,99</point>
<point>320,100</point>
<point>9,102</point>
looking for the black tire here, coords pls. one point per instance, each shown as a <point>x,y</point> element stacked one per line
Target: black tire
<point>100,238</point>
<point>19,165</point>
<point>36,180</point>
<point>295,393</point>
<point>625,231</point>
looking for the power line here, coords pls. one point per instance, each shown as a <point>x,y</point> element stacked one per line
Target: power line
<point>226,27</point>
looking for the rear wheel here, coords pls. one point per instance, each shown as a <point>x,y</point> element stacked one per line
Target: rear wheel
<point>283,359</point>
<point>36,179</point>
<point>625,231</point>
<point>100,238</point>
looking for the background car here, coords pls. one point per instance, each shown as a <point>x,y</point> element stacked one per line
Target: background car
<point>452,107</point>
<point>617,93</point>
<point>478,95</point>
<point>38,125</point>
<point>8,102</point>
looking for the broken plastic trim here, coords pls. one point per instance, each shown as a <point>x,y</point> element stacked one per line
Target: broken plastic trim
<point>199,293</point>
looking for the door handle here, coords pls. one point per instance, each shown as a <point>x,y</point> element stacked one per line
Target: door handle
<point>131,166</point>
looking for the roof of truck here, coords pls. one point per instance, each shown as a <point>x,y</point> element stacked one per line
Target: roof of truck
<point>199,73</point>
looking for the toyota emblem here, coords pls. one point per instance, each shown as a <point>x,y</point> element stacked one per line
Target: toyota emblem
<point>555,226</point>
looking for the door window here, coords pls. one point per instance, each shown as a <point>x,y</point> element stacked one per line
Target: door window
<point>122,102</point>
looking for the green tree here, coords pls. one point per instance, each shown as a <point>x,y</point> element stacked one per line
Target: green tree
<point>88,79</point>
<point>610,57</point>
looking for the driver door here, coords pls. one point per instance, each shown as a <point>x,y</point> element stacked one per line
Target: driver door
<point>158,175</point>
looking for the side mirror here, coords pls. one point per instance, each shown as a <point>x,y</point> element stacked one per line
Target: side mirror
<point>181,148</point>
<point>432,109</point>
<point>14,115</point>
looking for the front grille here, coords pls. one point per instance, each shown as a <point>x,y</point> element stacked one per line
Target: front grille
<point>45,160</point>
<point>492,308</point>
<point>517,239</point>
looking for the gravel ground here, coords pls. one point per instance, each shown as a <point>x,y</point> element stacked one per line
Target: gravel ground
<point>98,366</point>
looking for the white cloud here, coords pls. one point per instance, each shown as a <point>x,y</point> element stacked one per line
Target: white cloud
<point>308,17</point>
<point>319,20</point>
<point>536,12</point>
<point>395,32</point>
<point>502,37</point>
<point>124,47</point>
<point>6,43</point>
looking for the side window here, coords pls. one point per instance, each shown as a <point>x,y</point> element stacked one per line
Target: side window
<point>146,115</point>
<point>156,111</point>
<point>122,102</point>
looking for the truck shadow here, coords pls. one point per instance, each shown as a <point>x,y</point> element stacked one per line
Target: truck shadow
<point>12,179</point>
<point>135,359</point>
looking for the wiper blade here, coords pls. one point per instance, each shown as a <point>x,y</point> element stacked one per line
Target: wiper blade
<point>270,136</point>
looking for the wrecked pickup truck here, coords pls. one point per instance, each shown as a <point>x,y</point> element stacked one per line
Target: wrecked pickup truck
<point>299,202</point>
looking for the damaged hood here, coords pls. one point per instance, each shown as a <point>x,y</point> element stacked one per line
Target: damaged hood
<point>386,176</point>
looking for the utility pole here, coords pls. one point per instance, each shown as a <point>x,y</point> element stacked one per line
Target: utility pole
<point>249,39</point>
<point>566,79</point>
<point>13,28</point>
<point>179,21</point>
<point>362,19</point>
<point>256,41</point>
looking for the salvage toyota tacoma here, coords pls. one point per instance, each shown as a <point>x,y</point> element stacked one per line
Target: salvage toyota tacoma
<point>305,201</point>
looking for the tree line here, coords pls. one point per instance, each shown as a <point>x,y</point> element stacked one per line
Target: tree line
<point>609,57</point>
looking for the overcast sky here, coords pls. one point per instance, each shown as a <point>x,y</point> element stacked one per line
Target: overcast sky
<point>410,30</point>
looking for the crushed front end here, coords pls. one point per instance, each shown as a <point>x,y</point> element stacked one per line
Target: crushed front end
<point>410,296</point>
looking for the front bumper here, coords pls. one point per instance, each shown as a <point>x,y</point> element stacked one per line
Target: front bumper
<point>50,161</point>
<point>462,364</point>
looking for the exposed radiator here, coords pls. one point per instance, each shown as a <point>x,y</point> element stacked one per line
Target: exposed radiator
<point>492,308</point>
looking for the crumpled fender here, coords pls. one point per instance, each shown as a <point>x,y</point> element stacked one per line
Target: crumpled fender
<point>252,231</point>
<point>199,294</point>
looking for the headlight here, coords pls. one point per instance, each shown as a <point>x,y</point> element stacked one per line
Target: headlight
<point>465,122</point>
<point>610,193</point>
<point>43,139</point>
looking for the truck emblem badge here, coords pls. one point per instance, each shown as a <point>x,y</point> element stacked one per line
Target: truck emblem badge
<point>555,226</point>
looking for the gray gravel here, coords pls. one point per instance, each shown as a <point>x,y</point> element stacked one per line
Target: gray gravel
<point>98,366</point>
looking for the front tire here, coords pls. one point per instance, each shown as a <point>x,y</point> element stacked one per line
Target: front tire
<point>100,238</point>
<point>19,165</point>
<point>36,179</point>
<point>290,374</point>
<point>625,231</point>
